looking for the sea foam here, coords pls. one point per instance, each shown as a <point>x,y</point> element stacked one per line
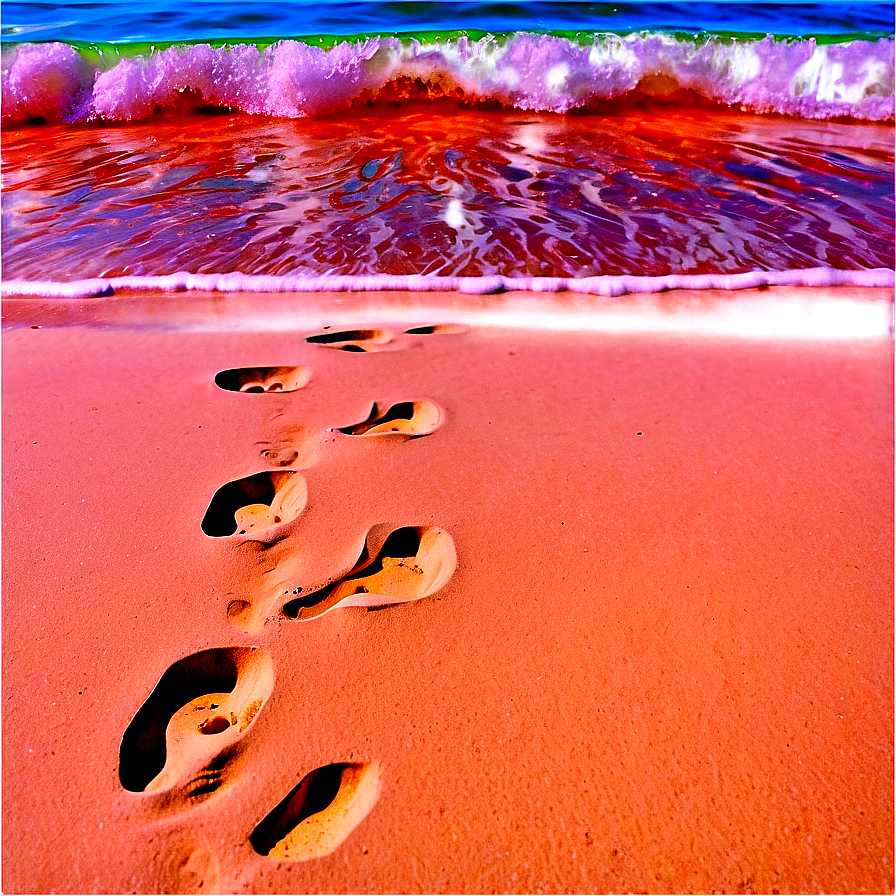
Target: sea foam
<point>609,286</point>
<point>290,79</point>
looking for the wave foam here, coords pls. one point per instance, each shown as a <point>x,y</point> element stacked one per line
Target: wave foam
<point>610,286</point>
<point>535,72</point>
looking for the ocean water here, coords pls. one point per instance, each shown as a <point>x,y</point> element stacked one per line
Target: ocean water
<point>582,142</point>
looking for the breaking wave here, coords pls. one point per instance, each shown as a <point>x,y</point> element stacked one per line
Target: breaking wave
<point>57,82</point>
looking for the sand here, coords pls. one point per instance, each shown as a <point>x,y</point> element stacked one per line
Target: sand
<point>638,632</point>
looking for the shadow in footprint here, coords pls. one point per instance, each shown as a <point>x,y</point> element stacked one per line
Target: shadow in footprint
<point>353,340</point>
<point>407,564</point>
<point>255,503</point>
<point>263,379</point>
<point>194,716</point>
<point>407,418</point>
<point>318,814</point>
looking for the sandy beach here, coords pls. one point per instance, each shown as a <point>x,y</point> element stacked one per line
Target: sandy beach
<point>435,603</point>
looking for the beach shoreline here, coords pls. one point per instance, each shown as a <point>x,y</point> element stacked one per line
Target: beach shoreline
<point>662,662</point>
<point>774,313</point>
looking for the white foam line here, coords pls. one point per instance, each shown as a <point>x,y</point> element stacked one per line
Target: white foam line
<point>303,283</point>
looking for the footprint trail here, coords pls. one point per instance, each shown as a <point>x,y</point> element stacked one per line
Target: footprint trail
<point>183,743</point>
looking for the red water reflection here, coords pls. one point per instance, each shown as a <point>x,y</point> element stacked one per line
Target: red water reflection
<point>439,189</point>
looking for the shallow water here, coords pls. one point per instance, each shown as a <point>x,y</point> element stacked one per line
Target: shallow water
<point>438,189</point>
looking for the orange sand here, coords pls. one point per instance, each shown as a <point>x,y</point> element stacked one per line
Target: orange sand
<point>662,662</point>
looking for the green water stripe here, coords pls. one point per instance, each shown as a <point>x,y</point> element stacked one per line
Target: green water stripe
<point>102,52</point>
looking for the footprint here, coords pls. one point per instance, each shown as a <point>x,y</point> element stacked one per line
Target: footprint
<point>407,564</point>
<point>289,445</point>
<point>318,815</point>
<point>263,379</point>
<point>188,729</point>
<point>354,340</point>
<point>408,418</point>
<point>277,454</point>
<point>438,330</point>
<point>376,340</point>
<point>192,868</point>
<point>250,506</point>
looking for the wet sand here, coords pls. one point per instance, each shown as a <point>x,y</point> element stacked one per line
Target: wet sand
<point>645,632</point>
